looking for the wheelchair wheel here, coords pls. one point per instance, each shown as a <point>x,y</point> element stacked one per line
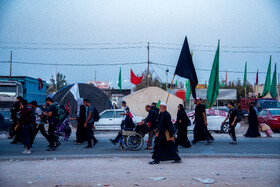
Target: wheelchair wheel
<point>135,141</point>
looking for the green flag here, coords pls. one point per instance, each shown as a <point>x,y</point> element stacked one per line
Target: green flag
<point>223,84</point>
<point>205,84</point>
<point>273,89</point>
<point>213,87</point>
<point>158,103</point>
<point>188,91</point>
<point>267,83</point>
<point>120,79</point>
<point>176,83</point>
<point>245,76</point>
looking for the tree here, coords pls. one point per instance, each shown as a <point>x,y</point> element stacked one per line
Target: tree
<point>239,87</point>
<point>153,81</point>
<point>57,84</point>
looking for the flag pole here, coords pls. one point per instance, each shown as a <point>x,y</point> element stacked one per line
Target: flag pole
<point>170,89</point>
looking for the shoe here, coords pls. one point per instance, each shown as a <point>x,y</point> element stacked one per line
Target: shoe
<point>57,144</point>
<point>154,162</point>
<point>233,143</point>
<point>148,148</point>
<point>152,152</point>
<point>113,142</point>
<point>209,142</point>
<point>51,149</point>
<point>49,145</point>
<point>95,142</point>
<point>88,146</point>
<point>193,142</point>
<point>13,142</point>
<point>177,161</point>
<point>26,151</point>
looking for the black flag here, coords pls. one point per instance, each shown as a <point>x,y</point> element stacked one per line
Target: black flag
<point>185,67</point>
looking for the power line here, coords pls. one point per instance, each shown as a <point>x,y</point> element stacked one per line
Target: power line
<point>224,51</point>
<point>72,48</point>
<point>50,43</point>
<point>201,69</point>
<point>69,64</point>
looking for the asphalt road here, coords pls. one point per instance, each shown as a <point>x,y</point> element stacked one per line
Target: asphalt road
<point>246,147</point>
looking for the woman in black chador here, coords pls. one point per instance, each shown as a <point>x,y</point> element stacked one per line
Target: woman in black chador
<point>182,124</point>
<point>253,130</point>
<point>165,148</point>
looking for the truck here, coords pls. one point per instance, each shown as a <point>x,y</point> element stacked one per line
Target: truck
<point>13,86</point>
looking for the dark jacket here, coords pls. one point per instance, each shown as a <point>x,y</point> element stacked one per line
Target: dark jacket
<point>152,118</point>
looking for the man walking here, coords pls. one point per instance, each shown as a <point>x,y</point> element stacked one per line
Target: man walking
<point>232,116</point>
<point>200,131</point>
<point>53,122</point>
<point>164,144</point>
<point>152,120</point>
<point>89,124</point>
<point>39,124</point>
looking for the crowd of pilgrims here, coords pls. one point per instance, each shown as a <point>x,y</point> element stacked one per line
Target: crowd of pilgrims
<point>28,119</point>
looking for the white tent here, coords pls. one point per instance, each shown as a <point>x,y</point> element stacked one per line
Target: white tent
<point>138,100</point>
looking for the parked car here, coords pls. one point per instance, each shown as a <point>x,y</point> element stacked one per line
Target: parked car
<point>214,120</point>
<point>271,117</point>
<point>111,120</point>
<point>5,120</point>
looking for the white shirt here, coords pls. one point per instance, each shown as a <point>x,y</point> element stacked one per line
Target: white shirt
<point>38,113</point>
<point>125,110</point>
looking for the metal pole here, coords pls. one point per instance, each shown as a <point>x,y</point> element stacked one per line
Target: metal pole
<point>148,47</point>
<point>167,70</point>
<point>170,89</point>
<point>95,77</point>
<point>11,59</point>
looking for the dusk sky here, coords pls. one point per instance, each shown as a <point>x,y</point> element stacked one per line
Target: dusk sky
<point>117,32</point>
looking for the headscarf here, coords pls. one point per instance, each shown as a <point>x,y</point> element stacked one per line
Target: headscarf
<point>79,104</point>
<point>181,111</point>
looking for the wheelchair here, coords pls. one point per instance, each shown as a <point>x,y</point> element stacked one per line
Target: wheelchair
<point>133,139</point>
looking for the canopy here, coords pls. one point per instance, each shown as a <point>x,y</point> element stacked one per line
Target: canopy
<point>138,100</point>
<point>87,91</point>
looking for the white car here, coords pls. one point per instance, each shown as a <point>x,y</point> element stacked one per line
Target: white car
<point>111,120</point>
<point>214,120</point>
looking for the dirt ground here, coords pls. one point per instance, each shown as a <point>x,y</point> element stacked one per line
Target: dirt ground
<point>136,172</point>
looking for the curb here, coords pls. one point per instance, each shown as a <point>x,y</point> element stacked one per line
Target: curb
<point>116,156</point>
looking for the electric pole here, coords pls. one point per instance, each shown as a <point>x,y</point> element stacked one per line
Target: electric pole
<point>148,73</point>
<point>95,77</point>
<point>11,59</point>
<point>167,70</point>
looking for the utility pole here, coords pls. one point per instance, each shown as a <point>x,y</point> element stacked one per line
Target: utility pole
<point>11,59</point>
<point>56,77</point>
<point>95,77</point>
<point>167,70</point>
<point>148,73</point>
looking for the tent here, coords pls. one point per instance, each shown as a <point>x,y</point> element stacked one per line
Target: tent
<point>87,91</point>
<point>138,100</point>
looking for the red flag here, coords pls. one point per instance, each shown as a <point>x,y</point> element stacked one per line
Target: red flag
<point>134,79</point>
<point>226,78</point>
<point>40,82</point>
<point>257,77</point>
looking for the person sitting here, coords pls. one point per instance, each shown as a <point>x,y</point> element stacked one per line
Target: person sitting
<point>127,122</point>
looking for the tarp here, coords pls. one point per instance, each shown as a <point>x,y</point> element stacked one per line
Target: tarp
<point>87,91</point>
<point>225,94</point>
<point>138,100</point>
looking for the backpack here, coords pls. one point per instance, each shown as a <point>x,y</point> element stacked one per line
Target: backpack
<point>96,115</point>
<point>239,117</point>
<point>60,113</point>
